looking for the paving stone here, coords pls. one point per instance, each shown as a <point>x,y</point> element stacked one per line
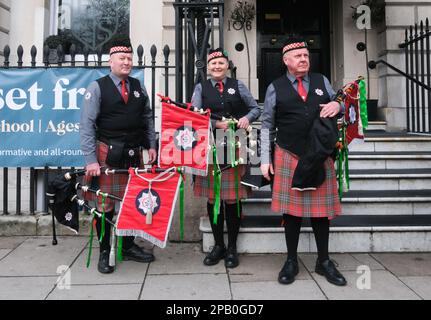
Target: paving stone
<point>97,292</point>
<point>420,285</point>
<point>344,261</point>
<point>182,258</point>
<point>125,271</point>
<point>11,242</point>
<point>272,290</point>
<point>262,267</point>
<point>383,286</point>
<point>26,288</point>
<point>368,260</point>
<point>38,257</point>
<point>186,287</point>
<point>4,252</point>
<point>406,264</point>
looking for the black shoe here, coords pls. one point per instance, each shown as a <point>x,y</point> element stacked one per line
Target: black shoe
<point>231,259</point>
<point>103,265</point>
<point>137,254</point>
<point>288,272</point>
<point>327,268</point>
<point>216,254</point>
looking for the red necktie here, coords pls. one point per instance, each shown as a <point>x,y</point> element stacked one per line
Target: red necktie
<point>220,87</point>
<point>124,92</point>
<point>301,89</point>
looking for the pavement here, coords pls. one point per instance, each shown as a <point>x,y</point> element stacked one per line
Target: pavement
<point>32,268</point>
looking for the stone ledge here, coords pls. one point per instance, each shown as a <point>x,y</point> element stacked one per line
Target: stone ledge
<point>38,225</point>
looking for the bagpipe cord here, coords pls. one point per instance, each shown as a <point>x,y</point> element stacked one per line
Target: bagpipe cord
<point>363,104</point>
<point>182,208</point>
<point>93,226</point>
<point>102,232</point>
<point>232,150</point>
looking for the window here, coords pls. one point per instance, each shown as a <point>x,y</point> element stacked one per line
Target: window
<point>90,23</point>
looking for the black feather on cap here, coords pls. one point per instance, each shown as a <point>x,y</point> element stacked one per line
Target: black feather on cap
<point>217,53</point>
<point>120,43</point>
<point>294,42</point>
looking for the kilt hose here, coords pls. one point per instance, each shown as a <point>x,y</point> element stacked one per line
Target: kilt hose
<point>323,202</point>
<point>202,188</point>
<point>114,184</point>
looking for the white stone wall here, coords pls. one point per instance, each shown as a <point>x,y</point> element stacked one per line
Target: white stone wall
<point>4,25</point>
<point>399,16</point>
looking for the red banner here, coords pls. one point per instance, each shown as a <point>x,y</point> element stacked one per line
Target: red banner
<point>353,116</point>
<point>184,139</point>
<point>148,204</point>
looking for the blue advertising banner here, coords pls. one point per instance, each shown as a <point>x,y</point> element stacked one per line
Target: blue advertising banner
<point>40,113</point>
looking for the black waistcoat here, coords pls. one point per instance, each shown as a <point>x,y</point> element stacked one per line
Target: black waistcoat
<point>293,116</point>
<point>118,120</point>
<point>227,104</point>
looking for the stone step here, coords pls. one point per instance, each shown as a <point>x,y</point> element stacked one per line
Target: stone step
<point>373,238</point>
<point>381,141</point>
<point>390,179</point>
<point>376,125</point>
<point>389,160</point>
<point>371,202</point>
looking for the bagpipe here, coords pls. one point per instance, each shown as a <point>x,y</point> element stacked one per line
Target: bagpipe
<point>351,127</point>
<point>146,208</point>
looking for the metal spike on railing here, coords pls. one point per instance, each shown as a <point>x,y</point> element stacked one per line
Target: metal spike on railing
<point>72,54</point>
<point>153,52</point>
<point>60,54</point>
<point>427,25</point>
<point>166,52</point>
<point>422,28</point>
<point>99,56</point>
<point>6,53</point>
<point>33,53</point>
<point>20,53</point>
<point>140,52</point>
<point>86,52</point>
<point>46,55</point>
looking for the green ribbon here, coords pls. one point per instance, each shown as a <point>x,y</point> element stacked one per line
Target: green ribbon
<point>363,104</point>
<point>102,232</point>
<point>91,239</point>
<point>182,208</point>
<point>234,163</point>
<point>217,185</point>
<point>120,249</point>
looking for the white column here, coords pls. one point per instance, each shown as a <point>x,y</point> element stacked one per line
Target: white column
<point>27,27</point>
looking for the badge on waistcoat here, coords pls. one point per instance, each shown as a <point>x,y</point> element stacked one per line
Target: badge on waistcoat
<point>231,91</point>
<point>319,92</point>
<point>136,93</point>
<point>88,96</point>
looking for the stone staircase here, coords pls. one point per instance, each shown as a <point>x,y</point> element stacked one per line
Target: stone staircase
<point>387,209</point>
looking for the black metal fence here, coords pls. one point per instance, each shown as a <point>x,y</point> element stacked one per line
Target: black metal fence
<point>418,93</point>
<point>42,175</point>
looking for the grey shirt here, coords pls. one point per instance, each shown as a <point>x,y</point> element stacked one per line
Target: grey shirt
<point>91,110</point>
<point>268,114</point>
<point>254,110</point>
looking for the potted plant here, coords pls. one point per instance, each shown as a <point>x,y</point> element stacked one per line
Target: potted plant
<point>377,16</point>
<point>53,42</point>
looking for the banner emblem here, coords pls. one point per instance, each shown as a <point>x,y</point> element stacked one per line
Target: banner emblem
<point>148,201</point>
<point>185,138</point>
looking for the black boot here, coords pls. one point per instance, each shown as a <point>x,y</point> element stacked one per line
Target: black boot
<point>288,272</point>
<point>136,253</point>
<point>103,265</point>
<point>216,254</point>
<point>231,260</point>
<point>328,269</point>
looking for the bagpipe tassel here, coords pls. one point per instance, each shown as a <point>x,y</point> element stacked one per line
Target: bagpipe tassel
<point>112,252</point>
<point>217,185</point>
<point>149,217</point>
<point>182,208</point>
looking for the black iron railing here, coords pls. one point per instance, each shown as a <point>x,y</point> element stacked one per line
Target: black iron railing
<point>36,175</point>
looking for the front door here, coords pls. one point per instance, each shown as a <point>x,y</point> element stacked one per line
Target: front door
<point>276,19</point>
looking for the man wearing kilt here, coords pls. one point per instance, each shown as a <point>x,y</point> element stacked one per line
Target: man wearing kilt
<point>116,124</point>
<point>292,103</point>
<point>225,97</point>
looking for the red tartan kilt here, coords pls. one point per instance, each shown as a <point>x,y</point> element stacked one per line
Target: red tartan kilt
<point>227,189</point>
<point>114,184</point>
<point>323,202</point>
